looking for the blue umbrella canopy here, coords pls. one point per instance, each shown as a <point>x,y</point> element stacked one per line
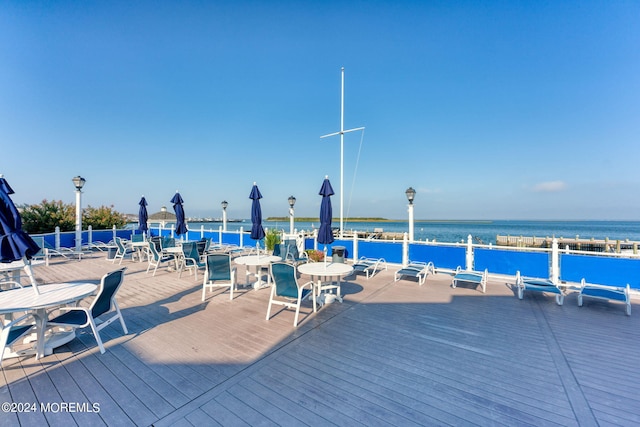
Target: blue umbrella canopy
<point>257,232</point>
<point>143,216</point>
<point>181,227</point>
<point>15,244</point>
<point>325,234</point>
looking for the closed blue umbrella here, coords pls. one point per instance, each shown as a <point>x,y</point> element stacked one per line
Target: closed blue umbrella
<point>15,244</point>
<point>181,226</point>
<point>143,216</point>
<point>325,234</point>
<point>257,232</point>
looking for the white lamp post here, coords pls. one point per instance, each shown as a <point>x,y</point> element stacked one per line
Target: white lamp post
<point>224,215</point>
<point>78,181</point>
<point>292,201</point>
<point>411,194</point>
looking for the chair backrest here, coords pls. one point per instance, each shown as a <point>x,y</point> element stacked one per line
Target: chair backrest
<point>137,238</point>
<point>154,252</point>
<point>203,245</point>
<point>168,242</point>
<point>284,276</point>
<point>40,242</point>
<point>190,250</point>
<point>120,245</point>
<point>291,250</point>
<point>277,250</point>
<point>218,267</point>
<point>109,285</point>
<point>156,242</point>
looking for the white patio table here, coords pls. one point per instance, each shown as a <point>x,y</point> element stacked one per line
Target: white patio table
<point>12,269</point>
<point>325,274</point>
<point>255,263</point>
<point>141,249</point>
<point>52,295</point>
<point>176,251</point>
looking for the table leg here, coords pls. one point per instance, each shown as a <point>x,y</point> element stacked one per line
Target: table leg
<point>44,344</point>
<point>40,315</point>
<point>258,284</point>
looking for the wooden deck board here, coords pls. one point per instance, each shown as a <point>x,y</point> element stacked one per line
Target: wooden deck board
<point>391,354</point>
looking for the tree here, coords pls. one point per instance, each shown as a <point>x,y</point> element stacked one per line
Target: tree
<point>102,218</point>
<point>45,217</point>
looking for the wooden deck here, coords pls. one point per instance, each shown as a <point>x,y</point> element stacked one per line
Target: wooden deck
<point>391,354</point>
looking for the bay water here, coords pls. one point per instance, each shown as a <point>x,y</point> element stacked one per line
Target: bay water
<point>457,231</point>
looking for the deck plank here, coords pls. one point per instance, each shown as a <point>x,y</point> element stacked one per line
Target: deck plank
<point>393,353</point>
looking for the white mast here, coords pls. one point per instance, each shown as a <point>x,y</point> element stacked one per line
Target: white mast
<point>341,133</point>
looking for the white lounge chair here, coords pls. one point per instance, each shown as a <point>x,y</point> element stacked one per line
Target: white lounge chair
<point>417,269</point>
<point>469,276</point>
<point>538,285</point>
<point>370,266</point>
<point>47,251</point>
<point>606,293</point>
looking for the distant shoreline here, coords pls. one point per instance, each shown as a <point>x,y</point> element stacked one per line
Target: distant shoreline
<point>334,220</point>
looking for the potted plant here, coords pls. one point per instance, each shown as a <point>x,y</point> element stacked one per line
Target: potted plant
<point>271,239</point>
<point>315,256</point>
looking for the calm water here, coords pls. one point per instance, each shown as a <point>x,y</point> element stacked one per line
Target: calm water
<point>486,231</point>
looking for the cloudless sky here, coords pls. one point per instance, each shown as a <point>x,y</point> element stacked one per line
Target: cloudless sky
<point>489,109</point>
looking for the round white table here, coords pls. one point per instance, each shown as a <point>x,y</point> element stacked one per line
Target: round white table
<point>12,269</point>
<point>177,253</point>
<point>141,249</point>
<point>326,272</point>
<point>52,295</point>
<point>256,262</point>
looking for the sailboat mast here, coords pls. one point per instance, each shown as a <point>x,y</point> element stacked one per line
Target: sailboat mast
<point>341,133</point>
<point>342,156</point>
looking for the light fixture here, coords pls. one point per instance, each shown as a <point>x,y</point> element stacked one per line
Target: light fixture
<point>411,194</point>
<point>292,201</point>
<point>78,181</point>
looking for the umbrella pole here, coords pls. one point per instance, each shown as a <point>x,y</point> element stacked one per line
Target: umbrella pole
<point>29,271</point>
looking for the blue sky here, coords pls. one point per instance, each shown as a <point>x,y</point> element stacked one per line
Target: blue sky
<point>490,110</point>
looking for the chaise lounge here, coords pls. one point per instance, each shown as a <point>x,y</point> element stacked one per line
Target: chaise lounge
<point>470,276</point>
<point>369,266</point>
<point>417,269</point>
<point>538,285</point>
<point>606,293</point>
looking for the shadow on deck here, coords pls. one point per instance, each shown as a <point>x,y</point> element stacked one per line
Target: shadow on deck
<point>391,354</point>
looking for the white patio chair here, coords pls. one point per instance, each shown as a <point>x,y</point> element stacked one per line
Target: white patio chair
<point>12,331</point>
<point>286,291</point>
<point>156,258</point>
<point>105,302</point>
<point>219,273</point>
